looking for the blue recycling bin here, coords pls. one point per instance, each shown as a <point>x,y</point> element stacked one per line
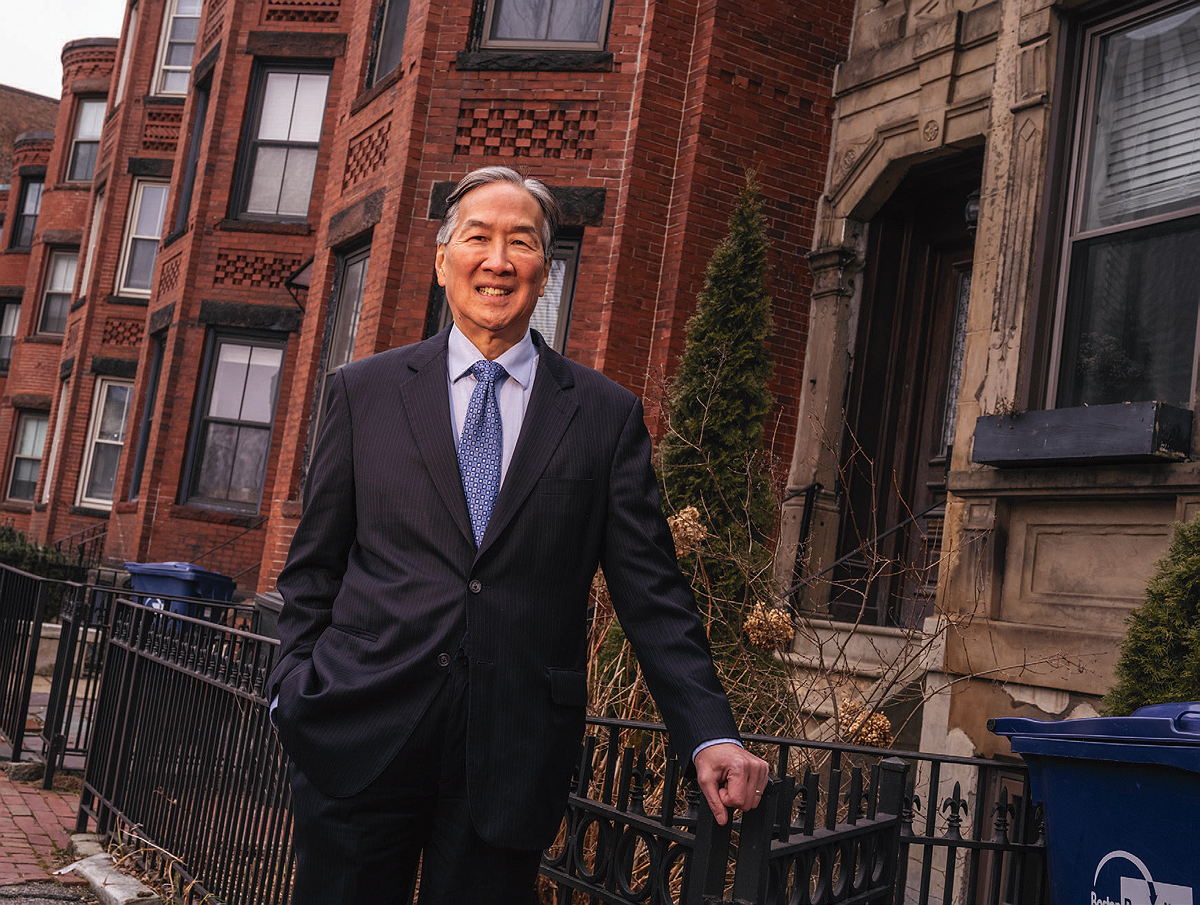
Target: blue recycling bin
<point>182,579</point>
<point>1121,798</point>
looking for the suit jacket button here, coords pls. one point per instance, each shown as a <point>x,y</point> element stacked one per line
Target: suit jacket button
<point>475,586</point>
<point>443,659</point>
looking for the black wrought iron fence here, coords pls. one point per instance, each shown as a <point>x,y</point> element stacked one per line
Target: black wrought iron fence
<point>22,609</point>
<point>183,764</point>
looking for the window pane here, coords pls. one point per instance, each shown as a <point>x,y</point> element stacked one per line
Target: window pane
<point>140,270</point>
<point>310,107</point>
<point>349,304</point>
<point>545,315</point>
<point>279,97</point>
<point>262,381</point>
<point>150,211</point>
<point>62,273</point>
<point>102,478</point>
<point>1144,155</point>
<point>267,181</point>
<point>296,189</point>
<point>188,7</point>
<point>220,444</point>
<point>33,436</point>
<point>33,198</point>
<point>249,465</point>
<point>547,20</point>
<point>175,82</point>
<point>83,161</point>
<point>185,29</point>
<point>112,413</point>
<point>91,120</point>
<point>229,381</point>
<point>391,38</point>
<point>24,479</point>
<point>1130,331</point>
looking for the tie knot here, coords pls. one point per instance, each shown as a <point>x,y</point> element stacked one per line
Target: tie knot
<point>487,371</point>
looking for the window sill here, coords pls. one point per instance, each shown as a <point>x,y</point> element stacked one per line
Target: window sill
<point>266,226</point>
<point>1130,432</point>
<point>88,511</point>
<point>16,506</point>
<point>129,300</point>
<point>535,61</point>
<point>199,512</point>
<point>49,339</point>
<point>377,89</point>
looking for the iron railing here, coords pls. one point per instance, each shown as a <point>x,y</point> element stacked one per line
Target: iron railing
<point>183,766</point>
<point>84,547</point>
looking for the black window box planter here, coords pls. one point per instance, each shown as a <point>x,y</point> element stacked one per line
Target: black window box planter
<point>1095,434</point>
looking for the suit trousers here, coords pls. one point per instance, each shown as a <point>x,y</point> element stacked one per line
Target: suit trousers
<point>367,848</point>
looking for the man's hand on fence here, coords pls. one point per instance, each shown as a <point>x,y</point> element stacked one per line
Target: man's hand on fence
<point>730,777</point>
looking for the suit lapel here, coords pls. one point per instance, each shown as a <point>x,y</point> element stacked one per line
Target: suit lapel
<point>550,410</point>
<point>427,401</point>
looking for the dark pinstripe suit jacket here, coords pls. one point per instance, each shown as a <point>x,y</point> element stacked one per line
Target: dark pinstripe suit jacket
<point>383,580</point>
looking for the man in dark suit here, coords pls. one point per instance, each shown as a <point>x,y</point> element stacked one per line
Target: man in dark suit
<point>431,687</point>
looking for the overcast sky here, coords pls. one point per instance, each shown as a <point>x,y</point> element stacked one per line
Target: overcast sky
<point>36,31</point>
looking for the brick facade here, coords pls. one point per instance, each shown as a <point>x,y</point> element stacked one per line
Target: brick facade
<point>653,134</point>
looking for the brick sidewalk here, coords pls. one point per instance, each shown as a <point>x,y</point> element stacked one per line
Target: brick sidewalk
<point>35,829</point>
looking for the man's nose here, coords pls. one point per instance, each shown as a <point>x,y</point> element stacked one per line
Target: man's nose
<point>497,260</point>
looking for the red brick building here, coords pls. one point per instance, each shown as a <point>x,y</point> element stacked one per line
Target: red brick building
<point>295,173</point>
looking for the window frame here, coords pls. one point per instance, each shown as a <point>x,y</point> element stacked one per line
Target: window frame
<point>489,43</point>
<point>147,420</point>
<point>137,198</point>
<point>341,325</point>
<point>23,217</point>
<point>391,28</point>
<point>1078,81</point>
<point>62,294</point>
<point>25,418</point>
<point>91,141</point>
<point>10,317</point>
<point>163,69</point>
<point>251,143</point>
<point>202,418</point>
<point>94,442</point>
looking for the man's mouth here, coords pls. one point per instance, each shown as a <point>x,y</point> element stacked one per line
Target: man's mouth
<point>492,290</point>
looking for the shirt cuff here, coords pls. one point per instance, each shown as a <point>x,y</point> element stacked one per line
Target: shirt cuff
<point>715,741</point>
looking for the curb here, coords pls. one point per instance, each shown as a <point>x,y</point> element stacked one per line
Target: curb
<point>109,884</point>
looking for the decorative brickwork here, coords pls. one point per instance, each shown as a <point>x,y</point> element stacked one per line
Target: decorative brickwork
<point>302,10</point>
<point>168,278</point>
<point>89,58</point>
<point>368,152</point>
<point>123,332</point>
<point>530,132</point>
<point>213,22</point>
<point>160,131</point>
<point>235,268</point>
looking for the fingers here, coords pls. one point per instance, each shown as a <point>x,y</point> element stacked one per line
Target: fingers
<point>730,777</point>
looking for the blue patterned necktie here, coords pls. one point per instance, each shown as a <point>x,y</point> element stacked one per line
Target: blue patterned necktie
<point>481,446</point>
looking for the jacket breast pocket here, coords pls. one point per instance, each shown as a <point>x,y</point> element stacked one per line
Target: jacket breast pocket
<point>568,687</point>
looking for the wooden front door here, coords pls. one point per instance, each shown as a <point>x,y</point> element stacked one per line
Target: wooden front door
<point>902,396</point>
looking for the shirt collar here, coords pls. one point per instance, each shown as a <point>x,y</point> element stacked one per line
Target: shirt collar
<point>518,361</point>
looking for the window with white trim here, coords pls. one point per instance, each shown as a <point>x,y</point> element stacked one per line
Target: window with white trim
<point>130,36</point>
<point>181,26</point>
<point>85,146</point>
<point>545,24</point>
<point>142,233</point>
<point>29,205</point>
<point>106,440</point>
<point>64,403</point>
<point>27,456</point>
<point>56,297</point>
<point>232,436</point>
<point>93,239</point>
<point>279,153</point>
<point>1130,261</point>
<point>10,319</point>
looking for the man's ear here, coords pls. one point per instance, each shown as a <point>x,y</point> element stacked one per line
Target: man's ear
<point>439,266</point>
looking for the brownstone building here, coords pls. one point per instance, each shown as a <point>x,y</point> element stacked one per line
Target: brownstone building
<point>262,203</point>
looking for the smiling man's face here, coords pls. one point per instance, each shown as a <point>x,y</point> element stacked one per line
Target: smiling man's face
<point>493,267</point>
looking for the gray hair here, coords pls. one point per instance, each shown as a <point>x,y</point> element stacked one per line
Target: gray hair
<point>551,212</point>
